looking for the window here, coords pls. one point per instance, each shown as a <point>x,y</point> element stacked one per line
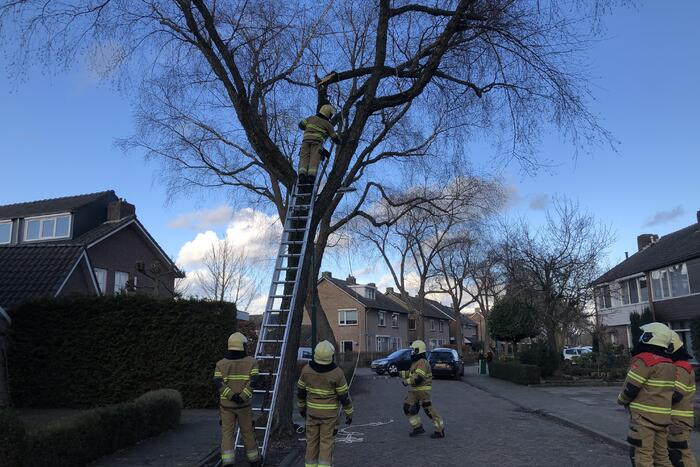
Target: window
<point>381,320</point>
<point>5,232</point>
<point>47,228</point>
<point>629,291</point>
<point>395,320</point>
<point>432,324</point>
<point>370,293</point>
<point>101,276</point>
<point>603,297</point>
<point>433,343</point>
<point>347,317</point>
<point>395,343</point>
<point>346,346</point>
<point>411,324</point>
<point>120,280</point>
<point>440,323</point>
<point>382,343</point>
<point>643,290</point>
<point>670,282</point>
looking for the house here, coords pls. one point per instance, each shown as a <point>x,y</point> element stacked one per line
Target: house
<point>362,318</point>
<point>5,323</point>
<point>436,319</point>
<point>470,329</point>
<point>84,244</point>
<point>663,275</point>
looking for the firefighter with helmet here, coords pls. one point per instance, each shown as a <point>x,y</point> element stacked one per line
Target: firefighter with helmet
<point>320,388</point>
<point>682,416</point>
<point>316,129</point>
<point>233,377</point>
<point>647,394</point>
<point>419,378</point>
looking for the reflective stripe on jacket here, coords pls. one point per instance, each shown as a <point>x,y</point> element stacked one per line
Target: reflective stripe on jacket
<point>682,411</point>
<point>320,393</point>
<point>649,388</point>
<point>317,129</point>
<point>420,376</point>
<point>234,376</point>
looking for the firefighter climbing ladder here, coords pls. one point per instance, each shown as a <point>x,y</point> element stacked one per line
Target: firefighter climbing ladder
<point>276,323</point>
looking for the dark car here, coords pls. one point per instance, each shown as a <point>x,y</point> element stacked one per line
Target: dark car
<point>393,363</point>
<point>446,362</point>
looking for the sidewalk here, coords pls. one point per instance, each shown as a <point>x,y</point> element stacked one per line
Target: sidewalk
<point>590,409</point>
<point>195,438</point>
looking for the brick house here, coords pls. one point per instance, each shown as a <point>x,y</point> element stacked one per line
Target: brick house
<point>436,319</point>
<point>84,244</point>
<point>362,318</point>
<point>663,275</point>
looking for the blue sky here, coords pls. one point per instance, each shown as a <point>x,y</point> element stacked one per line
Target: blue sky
<point>57,136</point>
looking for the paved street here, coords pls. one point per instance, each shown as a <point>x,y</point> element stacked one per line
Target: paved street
<point>482,430</point>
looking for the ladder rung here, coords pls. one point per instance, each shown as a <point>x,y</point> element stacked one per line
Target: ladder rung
<point>280,296</point>
<point>269,357</point>
<point>271,341</point>
<point>301,206</point>
<point>283,282</point>
<point>261,391</point>
<point>287,269</point>
<point>267,373</point>
<point>290,255</point>
<point>292,242</point>
<point>275,325</point>
<point>261,428</point>
<point>261,409</point>
<point>294,230</point>
<point>276,310</point>
<point>298,217</point>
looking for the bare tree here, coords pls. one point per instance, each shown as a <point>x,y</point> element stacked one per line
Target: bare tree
<point>228,274</point>
<point>553,266</point>
<point>222,84</point>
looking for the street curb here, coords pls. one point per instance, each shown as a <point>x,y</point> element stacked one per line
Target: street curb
<point>558,418</point>
<point>293,456</point>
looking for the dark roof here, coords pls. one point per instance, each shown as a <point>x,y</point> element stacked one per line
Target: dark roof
<point>432,309</point>
<point>50,206</point>
<point>31,271</point>
<point>670,249</point>
<point>380,302</point>
<point>101,230</point>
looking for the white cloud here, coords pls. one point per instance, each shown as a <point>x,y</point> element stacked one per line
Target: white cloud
<point>204,219</point>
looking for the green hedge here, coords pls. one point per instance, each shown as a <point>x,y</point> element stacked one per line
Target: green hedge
<point>96,351</point>
<point>539,354</point>
<point>515,372</point>
<point>82,438</point>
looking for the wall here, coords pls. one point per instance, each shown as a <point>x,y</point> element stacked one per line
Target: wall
<point>374,330</point>
<point>620,333</point>
<point>332,299</point>
<point>676,309</point>
<point>436,334</point>
<point>80,282</point>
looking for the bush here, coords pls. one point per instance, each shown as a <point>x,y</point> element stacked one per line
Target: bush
<point>515,372</point>
<point>91,434</point>
<point>97,351</point>
<point>540,355</point>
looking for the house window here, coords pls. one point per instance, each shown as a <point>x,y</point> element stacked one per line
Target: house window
<point>603,297</point>
<point>120,280</point>
<point>101,276</point>
<point>347,317</point>
<point>5,232</point>
<point>432,324</point>
<point>47,227</point>
<point>643,290</point>
<point>670,282</point>
<point>382,320</point>
<point>433,344</point>
<point>440,323</point>
<point>382,344</point>
<point>370,293</point>
<point>395,343</point>
<point>411,324</point>
<point>346,346</point>
<point>395,320</point>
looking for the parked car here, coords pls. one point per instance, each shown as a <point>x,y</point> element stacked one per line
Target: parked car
<point>393,363</point>
<point>446,362</point>
<point>571,352</point>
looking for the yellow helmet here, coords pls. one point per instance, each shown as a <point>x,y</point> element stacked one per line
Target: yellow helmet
<point>236,341</point>
<point>327,110</point>
<point>657,334</point>
<point>418,347</point>
<point>676,342</point>
<point>323,353</point>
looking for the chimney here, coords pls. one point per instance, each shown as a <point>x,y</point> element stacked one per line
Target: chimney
<point>326,275</point>
<point>372,284</point>
<point>389,290</point>
<point>351,280</point>
<point>120,209</point>
<point>697,215</point>
<point>627,254</point>
<point>645,240</point>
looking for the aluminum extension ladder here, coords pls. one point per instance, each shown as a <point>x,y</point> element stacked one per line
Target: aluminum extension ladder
<point>277,318</point>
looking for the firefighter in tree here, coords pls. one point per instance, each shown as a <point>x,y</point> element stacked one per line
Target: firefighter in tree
<point>233,377</point>
<point>316,129</point>
<point>647,394</point>
<point>419,378</point>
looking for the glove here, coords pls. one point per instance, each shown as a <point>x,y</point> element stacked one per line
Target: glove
<point>348,420</point>
<point>302,413</point>
<point>406,382</point>
<point>237,399</point>
<point>324,153</point>
<point>337,140</point>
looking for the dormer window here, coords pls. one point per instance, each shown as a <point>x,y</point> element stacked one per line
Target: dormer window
<point>47,227</point>
<point>5,232</point>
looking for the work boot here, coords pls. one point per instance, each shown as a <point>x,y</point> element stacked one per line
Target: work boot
<point>417,431</point>
<point>438,434</point>
<point>255,464</point>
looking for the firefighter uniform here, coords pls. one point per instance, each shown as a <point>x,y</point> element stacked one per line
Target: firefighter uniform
<point>233,377</point>
<point>682,415</point>
<point>316,129</point>
<point>419,378</point>
<point>647,394</point>
<point>320,388</point>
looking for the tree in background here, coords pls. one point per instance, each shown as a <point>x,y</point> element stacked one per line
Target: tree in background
<point>512,320</point>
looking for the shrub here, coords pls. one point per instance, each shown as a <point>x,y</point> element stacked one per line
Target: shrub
<point>515,372</point>
<point>98,351</point>
<point>82,438</point>
<point>540,355</point>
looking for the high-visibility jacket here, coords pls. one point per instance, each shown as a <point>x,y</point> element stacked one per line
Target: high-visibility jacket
<point>649,388</point>
<point>233,375</point>
<point>320,389</point>
<point>317,128</point>
<point>682,411</point>
<point>419,376</point>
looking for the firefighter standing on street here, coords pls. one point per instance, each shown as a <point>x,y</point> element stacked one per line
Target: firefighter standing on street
<point>647,394</point>
<point>233,377</point>
<point>319,389</point>
<point>682,416</point>
<point>316,129</point>
<point>420,378</point>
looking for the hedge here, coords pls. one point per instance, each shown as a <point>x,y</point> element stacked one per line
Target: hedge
<point>82,438</point>
<point>515,372</point>
<point>95,351</point>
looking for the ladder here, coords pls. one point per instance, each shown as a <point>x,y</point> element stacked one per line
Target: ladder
<point>277,318</point>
